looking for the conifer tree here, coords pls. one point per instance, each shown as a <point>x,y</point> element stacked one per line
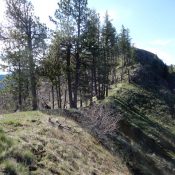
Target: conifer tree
<point>108,47</point>
<point>70,17</point>
<point>24,26</point>
<point>90,45</point>
<point>125,50</point>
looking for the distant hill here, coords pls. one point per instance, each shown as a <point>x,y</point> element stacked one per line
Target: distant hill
<point>150,70</point>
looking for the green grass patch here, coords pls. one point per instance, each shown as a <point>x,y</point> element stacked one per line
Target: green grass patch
<point>25,157</point>
<point>5,143</point>
<point>43,148</point>
<point>11,167</point>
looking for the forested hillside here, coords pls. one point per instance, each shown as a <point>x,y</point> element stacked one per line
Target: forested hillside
<point>77,61</point>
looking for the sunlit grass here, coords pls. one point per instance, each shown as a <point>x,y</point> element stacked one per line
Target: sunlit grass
<point>52,150</point>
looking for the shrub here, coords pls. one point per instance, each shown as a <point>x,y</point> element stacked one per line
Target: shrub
<point>25,157</point>
<point>10,168</point>
<point>5,142</point>
<point>102,119</point>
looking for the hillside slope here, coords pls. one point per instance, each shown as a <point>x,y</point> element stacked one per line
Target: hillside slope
<point>135,125</point>
<point>43,144</point>
<point>146,135</point>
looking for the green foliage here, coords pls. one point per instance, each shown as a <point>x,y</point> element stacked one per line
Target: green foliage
<point>10,168</point>
<point>146,134</point>
<point>81,58</point>
<point>41,148</point>
<point>5,143</point>
<point>26,157</point>
<point>26,41</point>
<point>171,69</point>
<point>13,168</point>
<point>14,160</point>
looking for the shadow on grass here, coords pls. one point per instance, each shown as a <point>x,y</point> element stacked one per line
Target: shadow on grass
<point>136,147</point>
<point>144,122</point>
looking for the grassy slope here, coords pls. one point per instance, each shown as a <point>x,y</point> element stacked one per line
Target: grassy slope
<point>145,140</point>
<point>146,137</point>
<point>148,132</point>
<point>59,146</point>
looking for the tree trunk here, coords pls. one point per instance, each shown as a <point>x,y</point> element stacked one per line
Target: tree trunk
<point>65,99</point>
<point>59,93</point>
<point>77,77</point>
<point>20,88</point>
<point>106,89</point>
<point>53,99</point>
<point>69,80</point>
<point>58,102</point>
<point>81,100</point>
<point>129,76</point>
<point>92,85</point>
<point>32,70</point>
<point>95,76</point>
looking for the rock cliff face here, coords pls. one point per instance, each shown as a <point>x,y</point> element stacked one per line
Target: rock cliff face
<point>150,71</point>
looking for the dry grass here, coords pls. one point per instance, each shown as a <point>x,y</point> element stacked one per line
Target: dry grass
<point>59,146</point>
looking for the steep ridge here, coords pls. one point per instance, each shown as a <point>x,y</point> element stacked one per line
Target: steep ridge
<point>145,138</point>
<point>146,135</point>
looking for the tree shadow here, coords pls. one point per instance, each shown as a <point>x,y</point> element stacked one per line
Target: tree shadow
<point>135,147</point>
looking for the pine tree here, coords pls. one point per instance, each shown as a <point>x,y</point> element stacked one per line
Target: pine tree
<point>90,52</point>
<point>108,40</point>
<point>30,32</point>
<point>126,51</point>
<point>70,19</point>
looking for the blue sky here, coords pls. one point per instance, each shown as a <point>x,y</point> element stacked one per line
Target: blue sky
<point>151,22</point>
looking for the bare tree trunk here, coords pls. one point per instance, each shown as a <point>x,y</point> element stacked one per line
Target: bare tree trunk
<point>20,87</point>
<point>123,64</point>
<point>58,102</point>
<point>81,100</point>
<point>59,92</point>
<point>53,99</point>
<point>106,89</point>
<point>32,69</point>
<point>95,76</point>
<point>77,77</point>
<point>129,76</point>
<point>92,85</point>
<point>65,99</point>
<point>69,80</point>
<point>99,90</point>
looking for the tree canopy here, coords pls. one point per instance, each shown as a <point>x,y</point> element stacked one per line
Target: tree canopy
<point>79,59</point>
